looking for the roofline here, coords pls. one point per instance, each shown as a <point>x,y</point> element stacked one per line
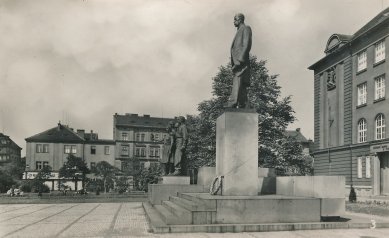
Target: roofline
<point>349,43</point>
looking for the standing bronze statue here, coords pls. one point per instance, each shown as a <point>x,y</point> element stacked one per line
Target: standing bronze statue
<point>168,150</point>
<point>181,141</point>
<point>240,49</point>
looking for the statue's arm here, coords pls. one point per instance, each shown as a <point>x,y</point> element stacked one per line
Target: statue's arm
<point>246,43</point>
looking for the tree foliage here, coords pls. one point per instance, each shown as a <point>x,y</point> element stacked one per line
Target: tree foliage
<point>146,176</point>
<point>106,171</point>
<point>275,114</point>
<point>74,168</point>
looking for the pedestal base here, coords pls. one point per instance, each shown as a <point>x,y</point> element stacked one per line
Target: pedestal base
<point>237,152</point>
<point>176,180</point>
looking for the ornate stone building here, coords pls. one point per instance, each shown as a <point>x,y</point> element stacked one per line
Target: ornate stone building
<point>350,108</point>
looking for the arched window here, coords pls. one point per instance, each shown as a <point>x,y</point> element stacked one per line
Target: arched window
<point>362,131</point>
<point>380,127</point>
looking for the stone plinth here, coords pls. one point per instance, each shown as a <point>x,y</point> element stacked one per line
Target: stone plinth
<point>175,180</point>
<point>206,176</point>
<point>237,152</point>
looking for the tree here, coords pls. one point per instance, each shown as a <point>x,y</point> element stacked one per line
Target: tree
<point>275,114</point>
<point>74,168</point>
<point>11,173</point>
<point>146,176</point>
<point>106,171</point>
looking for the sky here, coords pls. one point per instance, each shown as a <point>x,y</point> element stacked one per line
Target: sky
<point>82,61</point>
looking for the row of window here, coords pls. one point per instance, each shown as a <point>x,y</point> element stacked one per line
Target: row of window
<point>379,90</point>
<point>141,136</point>
<point>69,149</point>
<point>360,167</point>
<point>379,55</point>
<point>379,129</point>
<point>141,151</point>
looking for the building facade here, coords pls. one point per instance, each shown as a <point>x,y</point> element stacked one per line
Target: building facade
<point>138,139</point>
<point>350,108</point>
<point>52,148</point>
<point>9,150</point>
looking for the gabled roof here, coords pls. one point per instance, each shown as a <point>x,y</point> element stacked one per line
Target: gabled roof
<point>297,135</point>
<point>133,120</point>
<point>58,134</point>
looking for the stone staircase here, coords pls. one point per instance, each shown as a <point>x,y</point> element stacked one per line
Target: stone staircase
<point>183,209</point>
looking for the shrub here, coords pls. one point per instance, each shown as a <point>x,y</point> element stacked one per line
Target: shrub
<point>353,196</point>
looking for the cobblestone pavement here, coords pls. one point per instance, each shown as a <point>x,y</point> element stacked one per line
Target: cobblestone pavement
<point>121,220</point>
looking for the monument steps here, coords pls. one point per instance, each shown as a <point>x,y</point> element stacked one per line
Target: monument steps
<point>187,204</point>
<point>181,213</point>
<point>209,205</point>
<point>169,217</point>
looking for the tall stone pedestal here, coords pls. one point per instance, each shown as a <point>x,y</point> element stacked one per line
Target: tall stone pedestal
<point>237,152</point>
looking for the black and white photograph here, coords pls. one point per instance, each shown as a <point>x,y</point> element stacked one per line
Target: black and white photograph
<point>194,118</point>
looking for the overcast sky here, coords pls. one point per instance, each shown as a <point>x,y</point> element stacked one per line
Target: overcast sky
<point>81,61</point>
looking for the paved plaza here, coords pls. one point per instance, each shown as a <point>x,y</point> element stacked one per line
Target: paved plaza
<point>120,220</point>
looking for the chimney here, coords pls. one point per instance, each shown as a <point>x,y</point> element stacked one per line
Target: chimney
<point>298,129</point>
<point>59,126</point>
<point>81,133</point>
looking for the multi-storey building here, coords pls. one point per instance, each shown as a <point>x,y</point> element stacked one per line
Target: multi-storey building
<point>9,150</point>
<point>138,139</point>
<point>350,108</point>
<point>52,148</point>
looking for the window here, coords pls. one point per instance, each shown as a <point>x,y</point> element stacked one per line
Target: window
<point>137,151</point>
<point>156,136</point>
<point>362,131</point>
<point>151,137</point>
<point>38,165</point>
<point>45,164</point>
<point>154,151</point>
<point>39,148</point>
<point>106,150</point>
<point>142,137</point>
<point>143,152</point>
<point>93,149</point>
<point>362,63</point>
<point>67,149</point>
<point>379,51</point>
<point>42,148</point>
<point>137,137</point>
<point>362,92</point>
<point>359,169</point>
<point>379,87</point>
<point>45,148</point>
<point>70,149</point>
<point>380,127</point>
<point>125,150</point>
<point>124,136</point>
<point>92,165</point>
<point>368,175</point>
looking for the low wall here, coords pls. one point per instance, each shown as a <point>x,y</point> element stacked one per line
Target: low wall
<point>330,190</point>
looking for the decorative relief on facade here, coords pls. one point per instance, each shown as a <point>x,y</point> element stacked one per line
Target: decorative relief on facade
<point>331,78</point>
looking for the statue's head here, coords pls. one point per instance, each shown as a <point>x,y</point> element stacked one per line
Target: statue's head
<point>238,19</point>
